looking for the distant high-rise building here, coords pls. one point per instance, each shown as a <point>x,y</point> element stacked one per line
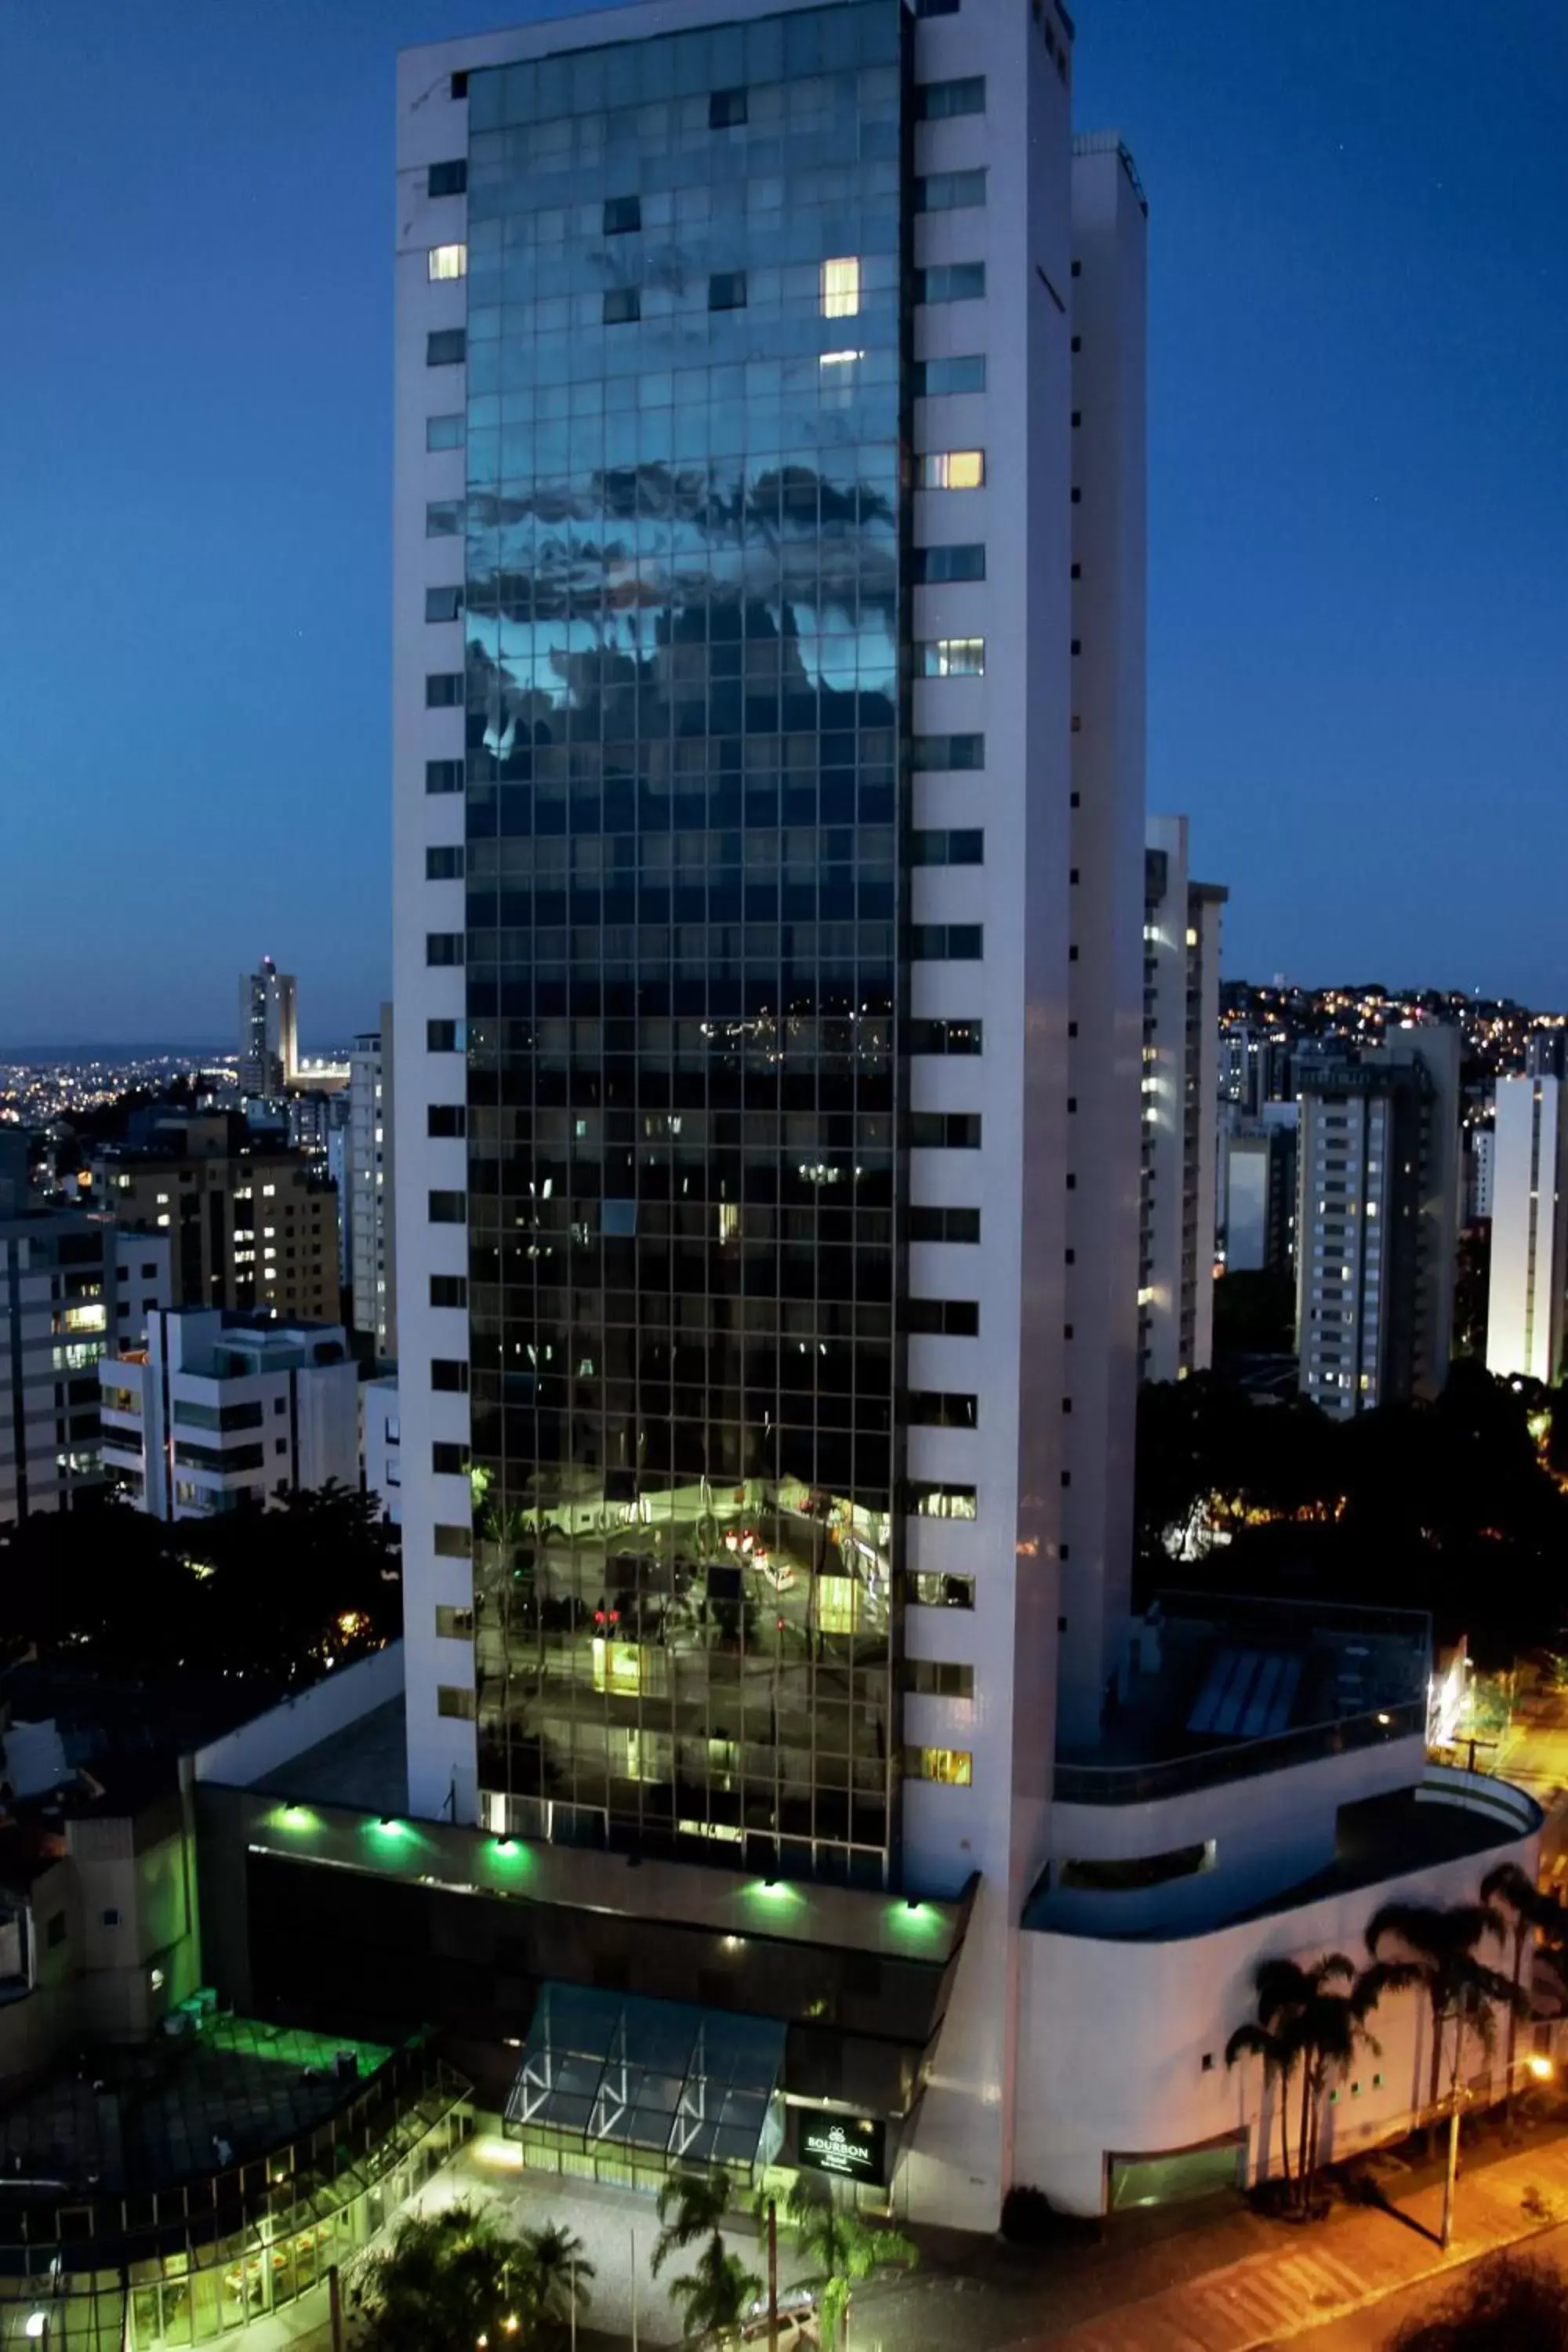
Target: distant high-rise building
<point>250,1223</point>
<point>269,1041</point>
<point>1181,1108</point>
<point>768,769</point>
<point>218,1410</point>
<point>1479,1158</point>
<point>1529,1272</point>
<point>368,1199</point>
<point>1377,1220</point>
<point>1258,1191</point>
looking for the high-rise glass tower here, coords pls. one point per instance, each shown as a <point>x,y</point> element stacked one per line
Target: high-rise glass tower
<point>741,875</point>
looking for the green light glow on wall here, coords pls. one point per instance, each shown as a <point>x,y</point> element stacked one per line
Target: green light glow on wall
<point>295,1818</point>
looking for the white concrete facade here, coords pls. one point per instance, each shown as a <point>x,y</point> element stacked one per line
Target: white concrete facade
<point>1105,1027</point>
<point>1529,1207</point>
<point>215,1410</point>
<point>367,1190</point>
<point>1126,2032</point>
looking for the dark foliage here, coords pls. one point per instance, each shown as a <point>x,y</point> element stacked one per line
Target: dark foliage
<point>1509,2304</point>
<point>274,1593</point>
<point>1446,1507</point>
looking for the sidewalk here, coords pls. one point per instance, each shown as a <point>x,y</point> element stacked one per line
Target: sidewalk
<point>1320,2271</point>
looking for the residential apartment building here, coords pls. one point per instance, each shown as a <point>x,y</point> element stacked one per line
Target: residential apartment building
<point>368,1198</point>
<point>1181,1085</point>
<point>71,1284</point>
<point>1528,1205</point>
<point>250,1223</point>
<point>219,1409</point>
<point>268,1034</point>
<point>1258,1159</point>
<point>1377,1220</point>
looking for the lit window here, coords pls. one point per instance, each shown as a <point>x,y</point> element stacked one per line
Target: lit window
<point>448,261</point>
<point>841,289</point>
<point>162,1200</point>
<point>953,469</point>
<point>267,1191</point>
<point>953,1768</point>
<point>952,657</point>
<point>164,1220</point>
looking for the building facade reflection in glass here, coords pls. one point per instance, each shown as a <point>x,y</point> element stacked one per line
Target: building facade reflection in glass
<point>684,620</point>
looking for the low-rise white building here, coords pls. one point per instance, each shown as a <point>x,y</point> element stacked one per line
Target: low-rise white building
<point>1265,1792</point>
<point>219,1409</point>
<point>380,1444</point>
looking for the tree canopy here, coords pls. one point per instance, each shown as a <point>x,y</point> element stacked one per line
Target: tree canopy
<point>279,1593</point>
<point>1452,1506</point>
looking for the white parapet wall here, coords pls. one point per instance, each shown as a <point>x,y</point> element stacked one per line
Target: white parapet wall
<point>303,1721</point>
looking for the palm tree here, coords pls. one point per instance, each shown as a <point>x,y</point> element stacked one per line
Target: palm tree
<point>1334,2030</point>
<point>845,2249</point>
<point>1280,2052</point>
<point>447,2278</point>
<point>1461,1990</point>
<point>1512,1890</point>
<point>716,2294</point>
<point>691,2205</point>
<point>556,2277</point>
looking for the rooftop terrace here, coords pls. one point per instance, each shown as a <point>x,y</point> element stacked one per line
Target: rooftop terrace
<point>1221,1687</point>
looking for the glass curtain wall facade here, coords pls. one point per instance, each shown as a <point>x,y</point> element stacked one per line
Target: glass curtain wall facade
<point>684,693</point>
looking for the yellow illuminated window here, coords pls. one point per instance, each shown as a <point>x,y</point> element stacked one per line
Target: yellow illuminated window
<point>83,1318</point>
<point>448,261</point>
<point>953,657</point>
<point>953,469</point>
<point>953,1766</point>
<point>841,287</point>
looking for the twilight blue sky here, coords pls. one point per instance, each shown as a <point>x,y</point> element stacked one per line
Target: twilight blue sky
<point>1359,468</point>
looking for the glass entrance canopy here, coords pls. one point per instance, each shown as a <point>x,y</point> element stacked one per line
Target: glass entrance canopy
<point>695,2087</point>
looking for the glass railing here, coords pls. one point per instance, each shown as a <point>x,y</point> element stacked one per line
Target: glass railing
<point>1135,1784</point>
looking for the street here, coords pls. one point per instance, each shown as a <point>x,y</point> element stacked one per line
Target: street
<point>1372,2329</point>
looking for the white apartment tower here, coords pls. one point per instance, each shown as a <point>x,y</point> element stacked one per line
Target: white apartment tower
<point>1377,1221</point>
<point>768,725</point>
<point>268,1039</point>
<point>1181,1080</point>
<point>1530,1229</point>
<point>367,1189</point>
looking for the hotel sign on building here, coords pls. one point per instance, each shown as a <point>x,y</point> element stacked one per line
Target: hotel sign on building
<point>851,2147</point>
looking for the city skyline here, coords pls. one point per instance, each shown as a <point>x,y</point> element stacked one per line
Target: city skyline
<point>1329,641</point>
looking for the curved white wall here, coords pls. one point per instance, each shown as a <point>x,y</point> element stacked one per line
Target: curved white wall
<point>1115,2033</point>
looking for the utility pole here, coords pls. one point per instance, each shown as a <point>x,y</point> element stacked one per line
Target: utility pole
<point>335,2307</point>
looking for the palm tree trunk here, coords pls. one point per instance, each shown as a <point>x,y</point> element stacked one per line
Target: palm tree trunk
<point>1285,2135</point>
<point>1305,2127</point>
<point>1520,1928</point>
